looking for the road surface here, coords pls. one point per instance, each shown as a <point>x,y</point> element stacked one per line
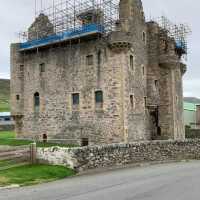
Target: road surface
<point>177,181</point>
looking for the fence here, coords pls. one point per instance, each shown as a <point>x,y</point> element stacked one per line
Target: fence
<point>17,156</point>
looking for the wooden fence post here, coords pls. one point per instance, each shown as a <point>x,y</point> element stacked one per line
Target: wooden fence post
<point>33,151</point>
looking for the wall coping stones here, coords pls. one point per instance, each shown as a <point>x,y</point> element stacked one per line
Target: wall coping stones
<point>93,157</point>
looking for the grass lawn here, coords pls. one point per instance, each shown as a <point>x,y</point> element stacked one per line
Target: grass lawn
<point>33,174</point>
<point>4,163</point>
<point>8,138</point>
<point>7,134</point>
<point>4,95</point>
<point>4,106</point>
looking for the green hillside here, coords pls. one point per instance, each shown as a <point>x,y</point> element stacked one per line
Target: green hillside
<point>192,100</point>
<point>4,95</point>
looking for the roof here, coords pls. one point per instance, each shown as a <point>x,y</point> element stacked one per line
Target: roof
<point>189,106</point>
<point>4,114</point>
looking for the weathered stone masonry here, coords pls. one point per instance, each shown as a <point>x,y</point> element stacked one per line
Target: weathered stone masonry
<point>85,158</point>
<point>135,67</point>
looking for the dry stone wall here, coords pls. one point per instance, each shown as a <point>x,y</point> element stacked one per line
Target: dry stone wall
<point>93,157</point>
<point>7,127</point>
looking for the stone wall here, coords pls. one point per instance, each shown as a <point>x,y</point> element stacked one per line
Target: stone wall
<point>7,127</point>
<point>164,85</point>
<point>192,133</point>
<point>198,114</point>
<point>136,68</point>
<point>66,73</point>
<point>85,158</point>
<point>135,117</point>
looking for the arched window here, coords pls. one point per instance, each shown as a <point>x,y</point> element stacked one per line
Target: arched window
<point>99,96</point>
<point>36,101</point>
<point>99,99</point>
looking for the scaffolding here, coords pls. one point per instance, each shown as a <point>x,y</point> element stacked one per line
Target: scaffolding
<point>71,18</point>
<point>179,32</point>
<point>65,15</point>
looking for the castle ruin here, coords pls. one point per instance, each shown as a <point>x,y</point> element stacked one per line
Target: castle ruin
<point>100,80</point>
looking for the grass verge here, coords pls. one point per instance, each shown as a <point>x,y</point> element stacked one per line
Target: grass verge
<point>33,174</point>
<point>9,138</point>
<point>4,163</point>
<point>4,106</point>
<point>7,134</point>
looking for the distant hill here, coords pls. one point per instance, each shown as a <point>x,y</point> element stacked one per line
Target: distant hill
<point>192,100</point>
<point>4,95</point>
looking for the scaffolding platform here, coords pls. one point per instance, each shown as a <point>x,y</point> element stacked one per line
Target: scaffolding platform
<point>179,32</point>
<point>71,34</point>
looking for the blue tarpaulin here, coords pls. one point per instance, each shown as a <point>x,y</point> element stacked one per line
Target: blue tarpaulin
<point>181,45</point>
<point>66,35</point>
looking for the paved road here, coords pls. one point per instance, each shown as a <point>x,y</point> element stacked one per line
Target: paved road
<point>178,181</point>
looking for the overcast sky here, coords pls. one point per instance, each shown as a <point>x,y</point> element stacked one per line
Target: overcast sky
<point>16,15</point>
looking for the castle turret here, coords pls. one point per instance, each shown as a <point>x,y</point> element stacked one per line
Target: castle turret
<point>165,90</point>
<point>129,42</point>
<point>17,86</point>
<point>130,12</point>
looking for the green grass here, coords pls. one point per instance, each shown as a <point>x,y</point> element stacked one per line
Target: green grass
<point>33,174</point>
<point>4,163</point>
<point>8,138</point>
<point>14,142</point>
<point>4,106</point>
<point>7,134</point>
<point>4,95</point>
<point>30,174</point>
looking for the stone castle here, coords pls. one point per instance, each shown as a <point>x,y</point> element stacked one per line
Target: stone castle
<point>122,86</point>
